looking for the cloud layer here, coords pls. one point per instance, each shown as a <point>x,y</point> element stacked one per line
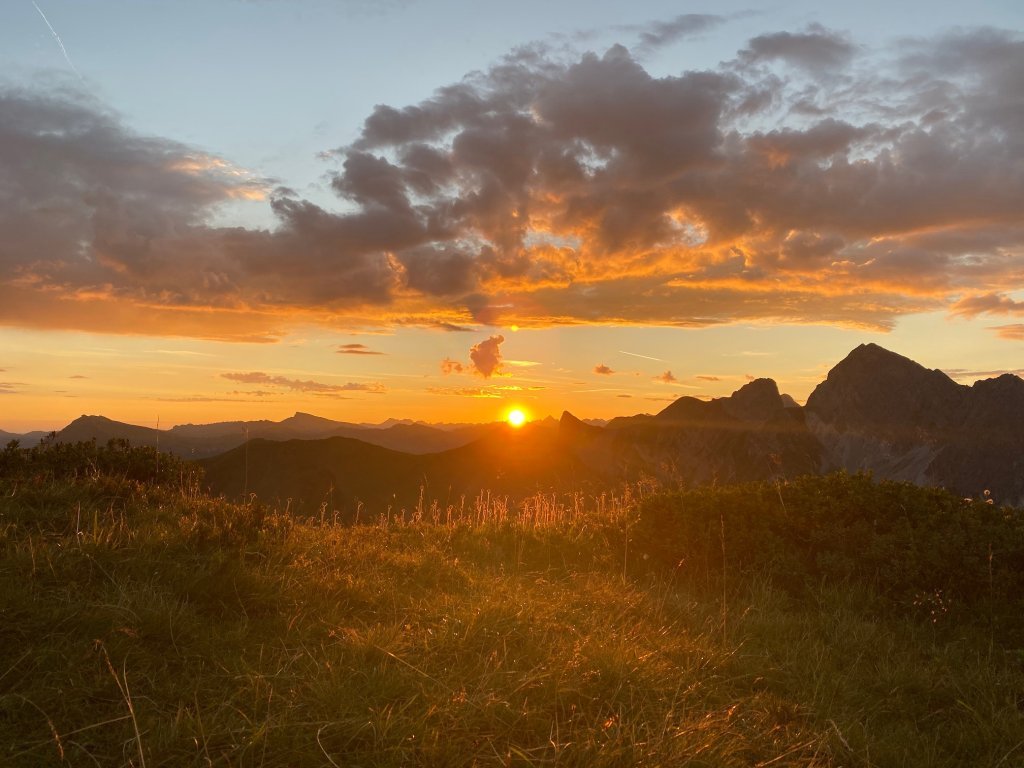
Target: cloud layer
<point>807,180</point>
<point>300,385</point>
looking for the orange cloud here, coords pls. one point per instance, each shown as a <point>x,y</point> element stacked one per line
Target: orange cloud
<point>989,303</point>
<point>451,366</point>
<point>553,191</point>
<point>298,385</point>
<point>1013,332</point>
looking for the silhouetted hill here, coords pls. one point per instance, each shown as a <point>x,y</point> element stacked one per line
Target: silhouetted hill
<point>419,438</point>
<point>25,440</point>
<point>101,429</point>
<point>197,441</point>
<point>751,435</point>
<point>344,472</point>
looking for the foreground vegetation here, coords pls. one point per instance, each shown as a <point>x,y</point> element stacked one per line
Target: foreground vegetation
<point>823,622</point>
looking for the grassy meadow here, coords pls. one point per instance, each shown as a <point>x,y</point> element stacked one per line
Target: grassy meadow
<point>817,622</point>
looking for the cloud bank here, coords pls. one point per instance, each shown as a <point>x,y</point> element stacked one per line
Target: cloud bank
<point>807,180</point>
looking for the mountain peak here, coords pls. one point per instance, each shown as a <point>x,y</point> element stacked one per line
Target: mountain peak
<point>92,419</point>
<point>873,354</point>
<point>570,426</point>
<point>758,400</point>
<point>874,386</point>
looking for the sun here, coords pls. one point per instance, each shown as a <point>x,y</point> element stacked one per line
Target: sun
<point>516,417</point>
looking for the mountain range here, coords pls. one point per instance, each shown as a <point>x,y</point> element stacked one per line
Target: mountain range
<point>876,411</point>
<point>196,441</point>
<point>25,439</point>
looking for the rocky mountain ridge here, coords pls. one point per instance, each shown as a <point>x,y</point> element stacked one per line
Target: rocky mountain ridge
<point>881,412</point>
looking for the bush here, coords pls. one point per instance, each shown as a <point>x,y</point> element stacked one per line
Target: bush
<point>51,460</point>
<point>919,549</point>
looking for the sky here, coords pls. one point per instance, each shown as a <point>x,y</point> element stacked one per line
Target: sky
<point>437,209</point>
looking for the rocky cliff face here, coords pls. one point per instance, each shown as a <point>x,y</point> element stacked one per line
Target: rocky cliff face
<point>882,412</point>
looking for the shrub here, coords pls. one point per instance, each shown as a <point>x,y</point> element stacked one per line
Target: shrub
<point>919,549</point>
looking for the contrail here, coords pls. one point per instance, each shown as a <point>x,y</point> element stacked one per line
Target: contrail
<point>645,357</point>
<point>57,38</point>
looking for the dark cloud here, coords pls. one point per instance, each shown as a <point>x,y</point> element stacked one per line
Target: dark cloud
<point>298,385</point>
<point>666,378</point>
<point>661,33</point>
<point>709,378</point>
<point>962,373</point>
<point>486,356</point>
<point>603,369</point>
<point>92,212</point>
<point>356,349</point>
<point>451,366</point>
<point>554,191</point>
<point>813,49</point>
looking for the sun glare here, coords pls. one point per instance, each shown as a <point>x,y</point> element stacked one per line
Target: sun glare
<point>516,417</point>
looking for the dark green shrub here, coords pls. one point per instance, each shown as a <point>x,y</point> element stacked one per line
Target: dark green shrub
<point>919,549</point>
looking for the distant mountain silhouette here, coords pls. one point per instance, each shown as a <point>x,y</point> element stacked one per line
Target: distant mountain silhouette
<point>101,429</point>
<point>197,441</point>
<point>876,411</point>
<point>753,434</point>
<point>882,412</point>
<point>25,440</point>
<point>344,473</point>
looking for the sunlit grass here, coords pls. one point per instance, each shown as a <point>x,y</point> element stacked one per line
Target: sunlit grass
<point>147,623</point>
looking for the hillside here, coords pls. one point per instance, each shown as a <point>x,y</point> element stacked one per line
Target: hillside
<point>348,475</point>
<point>753,434</point>
<point>829,622</point>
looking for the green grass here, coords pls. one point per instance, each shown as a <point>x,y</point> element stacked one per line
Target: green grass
<point>141,623</point>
